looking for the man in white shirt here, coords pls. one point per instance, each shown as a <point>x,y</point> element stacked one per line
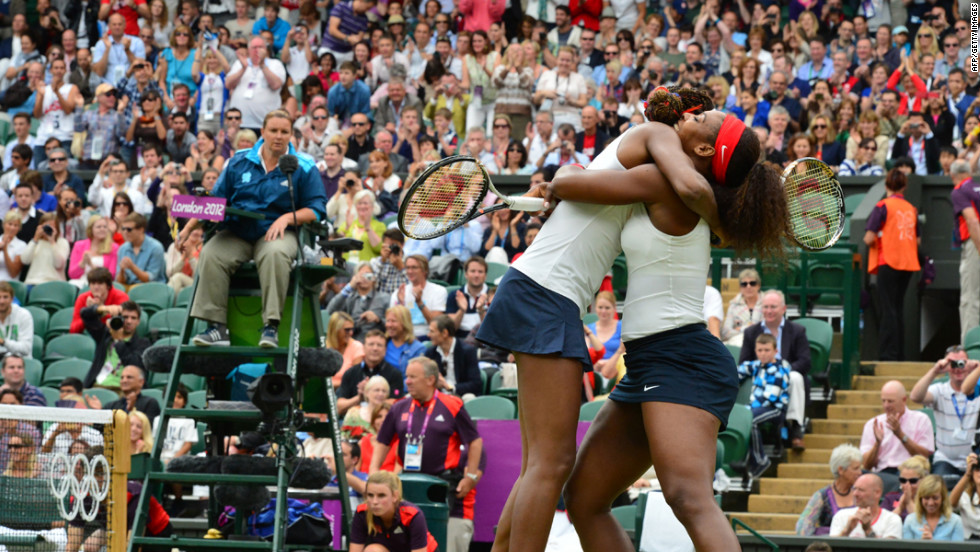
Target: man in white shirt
<point>16,325</point>
<point>255,81</point>
<point>22,135</point>
<point>866,519</point>
<point>956,415</point>
<point>115,53</point>
<point>543,134</point>
<point>563,33</point>
<point>714,312</point>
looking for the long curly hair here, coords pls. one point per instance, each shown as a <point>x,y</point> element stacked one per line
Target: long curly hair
<point>668,105</point>
<point>754,215</point>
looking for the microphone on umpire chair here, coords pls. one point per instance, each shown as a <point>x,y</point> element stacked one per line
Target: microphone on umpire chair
<point>288,164</point>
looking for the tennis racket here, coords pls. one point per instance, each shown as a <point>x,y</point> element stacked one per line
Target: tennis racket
<point>449,194</point>
<point>815,202</point>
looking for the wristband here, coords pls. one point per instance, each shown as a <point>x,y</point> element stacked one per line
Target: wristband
<point>579,165</point>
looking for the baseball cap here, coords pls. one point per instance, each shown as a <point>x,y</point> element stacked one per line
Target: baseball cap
<point>900,29</point>
<point>103,88</point>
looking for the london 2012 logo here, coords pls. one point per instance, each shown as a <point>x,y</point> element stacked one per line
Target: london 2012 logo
<point>83,481</point>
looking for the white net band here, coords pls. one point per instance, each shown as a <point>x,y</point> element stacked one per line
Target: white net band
<point>49,414</point>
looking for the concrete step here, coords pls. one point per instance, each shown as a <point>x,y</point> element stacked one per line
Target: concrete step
<point>803,470</point>
<point>810,455</point>
<point>856,397</point>
<point>793,487</point>
<point>777,504</point>
<point>830,442</point>
<point>839,427</point>
<point>852,411</point>
<point>765,523</point>
<point>874,383</point>
<point>899,369</point>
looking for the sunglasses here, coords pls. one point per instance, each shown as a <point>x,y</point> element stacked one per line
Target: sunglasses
<point>513,150</point>
<point>110,93</point>
<point>870,149</point>
<point>16,446</point>
<point>748,283</point>
<point>319,117</point>
<point>118,203</point>
<point>921,36</point>
<point>128,229</point>
<point>911,480</point>
<point>819,126</point>
<point>611,53</point>
<point>234,117</point>
<point>952,45</point>
<point>359,124</point>
<point>57,159</point>
<point>958,28</point>
<point>501,126</point>
<point>182,34</point>
<point>442,21</point>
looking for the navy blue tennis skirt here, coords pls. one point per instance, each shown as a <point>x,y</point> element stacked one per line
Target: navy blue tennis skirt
<point>686,365</point>
<point>525,317</point>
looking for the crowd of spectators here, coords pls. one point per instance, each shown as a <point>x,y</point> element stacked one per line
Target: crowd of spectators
<point>115,107</point>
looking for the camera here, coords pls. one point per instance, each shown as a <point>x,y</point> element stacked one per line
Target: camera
<point>369,276</point>
<point>957,364</point>
<point>913,125</point>
<point>395,249</point>
<point>48,230</point>
<point>116,323</point>
<point>76,204</point>
<point>818,97</point>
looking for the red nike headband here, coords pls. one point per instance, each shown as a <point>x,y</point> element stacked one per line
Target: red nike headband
<point>728,137</point>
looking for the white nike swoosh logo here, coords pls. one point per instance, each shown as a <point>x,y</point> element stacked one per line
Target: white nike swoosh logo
<point>723,148</point>
<point>649,387</point>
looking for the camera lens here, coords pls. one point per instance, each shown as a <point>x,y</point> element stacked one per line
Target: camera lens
<point>116,323</point>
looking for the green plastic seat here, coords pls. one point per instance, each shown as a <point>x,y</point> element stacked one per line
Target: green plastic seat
<point>155,394</point>
<point>820,336</point>
<point>61,369</point>
<point>60,323</point>
<point>626,516</point>
<point>972,338</point>
<point>53,296</point>
<point>184,297</point>
<point>200,445</point>
<point>495,271</point>
<point>33,370</point>
<point>152,297</point>
<point>37,350</point>
<point>20,291</point>
<point>69,346</point>
<point>736,436</point>
<point>104,395</point>
<point>168,322</point>
<point>587,412</point>
<point>41,319</point>
<point>491,408</point>
<point>51,395</point>
<point>744,392</point>
<point>590,318</point>
<point>851,203</point>
<point>735,350</point>
<point>197,399</point>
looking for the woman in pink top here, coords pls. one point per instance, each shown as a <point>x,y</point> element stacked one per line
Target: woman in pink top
<point>98,250</point>
<point>479,14</point>
<point>340,337</point>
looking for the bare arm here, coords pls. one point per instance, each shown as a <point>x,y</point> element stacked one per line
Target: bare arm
<point>970,383</point>
<point>380,452</point>
<point>642,184</point>
<point>920,392</point>
<point>664,146</point>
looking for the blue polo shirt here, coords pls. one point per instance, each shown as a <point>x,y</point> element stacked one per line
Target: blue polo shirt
<point>279,30</point>
<point>150,259</point>
<point>344,102</point>
<point>247,186</point>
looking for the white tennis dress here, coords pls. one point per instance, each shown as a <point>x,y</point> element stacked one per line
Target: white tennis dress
<point>573,252</point>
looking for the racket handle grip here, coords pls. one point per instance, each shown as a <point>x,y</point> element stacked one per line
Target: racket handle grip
<point>522,203</point>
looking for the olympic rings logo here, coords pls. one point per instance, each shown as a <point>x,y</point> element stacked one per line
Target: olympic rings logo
<point>76,478</point>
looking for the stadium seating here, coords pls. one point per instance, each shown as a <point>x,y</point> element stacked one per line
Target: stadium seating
<point>52,296</point>
<point>41,319</point>
<point>152,297</point>
<point>184,297</point>
<point>37,350</point>
<point>33,369</point>
<point>587,412</point>
<point>491,408</point>
<point>820,335</point>
<point>168,322</point>
<point>61,369</point>
<point>197,399</point>
<point>736,436</point>
<point>60,323</point>
<point>20,291</point>
<point>68,346</point>
<point>590,318</point>
<point>104,395</point>
<point>51,395</point>
<point>495,271</point>
<point>972,339</point>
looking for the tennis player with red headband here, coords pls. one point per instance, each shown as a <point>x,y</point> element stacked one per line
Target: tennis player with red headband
<point>537,314</point>
<point>681,382</point>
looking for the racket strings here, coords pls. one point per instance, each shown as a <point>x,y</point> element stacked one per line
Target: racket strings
<point>443,199</point>
<point>814,202</point>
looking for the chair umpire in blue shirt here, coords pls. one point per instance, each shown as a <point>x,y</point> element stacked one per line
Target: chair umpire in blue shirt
<point>253,182</point>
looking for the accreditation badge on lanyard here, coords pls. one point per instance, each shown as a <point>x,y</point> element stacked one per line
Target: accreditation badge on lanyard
<point>413,445</point>
<point>960,434</point>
